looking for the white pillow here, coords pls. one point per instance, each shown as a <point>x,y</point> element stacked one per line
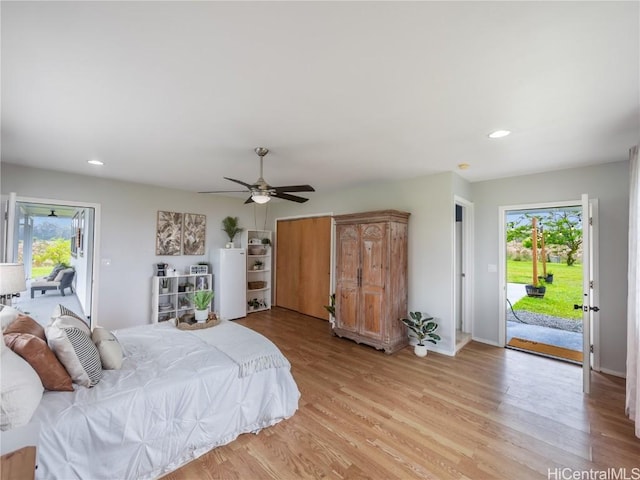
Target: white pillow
<point>62,317</point>
<point>77,353</point>
<point>108,347</point>
<point>7,315</point>
<point>21,390</point>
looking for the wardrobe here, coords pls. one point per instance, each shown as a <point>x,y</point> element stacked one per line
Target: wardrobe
<point>371,278</point>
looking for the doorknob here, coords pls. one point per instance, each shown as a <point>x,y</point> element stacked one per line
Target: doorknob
<point>586,308</point>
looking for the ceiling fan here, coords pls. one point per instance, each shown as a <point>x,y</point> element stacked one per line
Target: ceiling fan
<point>262,192</point>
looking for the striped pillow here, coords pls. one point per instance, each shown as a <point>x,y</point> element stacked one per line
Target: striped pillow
<point>64,318</point>
<point>77,353</point>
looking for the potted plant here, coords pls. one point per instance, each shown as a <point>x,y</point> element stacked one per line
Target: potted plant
<point>231,228</point>
<point>201,300</point>
<point>266,242</point>
<point>535,289</point>
<point>423,328</point>
<point>253,304</point>
<point>164,285</point>
<point>257,265</point>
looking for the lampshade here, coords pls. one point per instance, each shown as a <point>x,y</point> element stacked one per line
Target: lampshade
<point>12,278</point>
<point>260,197</point>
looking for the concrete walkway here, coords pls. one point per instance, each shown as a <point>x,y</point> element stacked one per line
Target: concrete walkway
<point>515,291</point>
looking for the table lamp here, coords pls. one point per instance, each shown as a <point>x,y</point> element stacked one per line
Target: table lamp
<point>12,281</point>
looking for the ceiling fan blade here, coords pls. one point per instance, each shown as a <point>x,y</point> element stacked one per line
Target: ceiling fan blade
<point>286,196</point>
<point>295,188</point>
<point>227,191</point>
<point>249,200</point>
<point>239,181</point>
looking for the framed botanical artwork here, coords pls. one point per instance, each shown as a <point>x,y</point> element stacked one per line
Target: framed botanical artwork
<point>194,231</point>
<point>169,233</point>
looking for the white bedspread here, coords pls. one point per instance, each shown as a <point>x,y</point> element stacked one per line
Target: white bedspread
<point>178,395</point>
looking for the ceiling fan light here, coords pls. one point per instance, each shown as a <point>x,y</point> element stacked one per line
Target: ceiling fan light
<point>260,197</point>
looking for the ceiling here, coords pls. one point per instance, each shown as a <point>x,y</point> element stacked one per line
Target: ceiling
<point>178,94</point>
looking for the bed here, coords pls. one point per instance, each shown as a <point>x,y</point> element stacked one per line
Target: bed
<point>177,395</point>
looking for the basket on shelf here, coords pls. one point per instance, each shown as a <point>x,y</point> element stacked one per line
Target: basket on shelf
<point>257,285</point>
<point>257,250</point>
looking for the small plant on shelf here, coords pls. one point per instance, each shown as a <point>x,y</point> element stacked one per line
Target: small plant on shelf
<point>266,241</point>
<point>258,264</point>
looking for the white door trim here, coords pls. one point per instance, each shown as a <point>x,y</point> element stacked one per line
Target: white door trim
<point>96,243</point>
<point>467,265</point>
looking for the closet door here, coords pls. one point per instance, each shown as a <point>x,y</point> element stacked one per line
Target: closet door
<point>303,265</point>
<point>287,264</point>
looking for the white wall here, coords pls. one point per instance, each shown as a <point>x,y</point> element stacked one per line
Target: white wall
<point>127,235</point>
<point>608,183</point>
<point>431,226</point>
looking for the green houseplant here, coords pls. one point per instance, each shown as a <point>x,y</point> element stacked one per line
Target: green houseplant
<point>230,226</point>
<point>201,300</point>
<point>424,328</point>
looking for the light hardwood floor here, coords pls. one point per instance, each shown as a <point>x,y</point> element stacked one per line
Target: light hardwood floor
<point>486,413</point>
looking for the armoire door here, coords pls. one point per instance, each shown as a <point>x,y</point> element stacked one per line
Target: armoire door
<point>303,265</point>
<point>372,277</point>
<point>347,276</point>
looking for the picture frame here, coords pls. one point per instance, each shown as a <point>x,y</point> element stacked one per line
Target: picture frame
<point>168,233</point>
<point>194,232</point>
<point>198,269</point>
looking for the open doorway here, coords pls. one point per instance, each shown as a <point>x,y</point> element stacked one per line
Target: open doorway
<point>544,280</point>
<point>55,242</point>
<point>463,273</point>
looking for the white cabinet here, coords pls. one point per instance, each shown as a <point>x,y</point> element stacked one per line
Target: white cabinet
<point>170,296</point>
<point>259,262</point>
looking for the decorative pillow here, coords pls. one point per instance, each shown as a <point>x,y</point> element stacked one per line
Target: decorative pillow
<point>77,353</point>
<point>108,347</point>
<point>38,354</point>
<point>8,315</point>
<point>21,390</point>
<point>63,317</point>
<point>54,273</point>
<point>26,324</point>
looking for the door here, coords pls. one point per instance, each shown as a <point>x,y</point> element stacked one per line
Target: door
<point>303,265</point>
<point>587,285</point>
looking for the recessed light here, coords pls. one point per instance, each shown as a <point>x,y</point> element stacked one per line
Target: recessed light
<point>499,134</point>
<point>463,166</point>
<point>95,162</point>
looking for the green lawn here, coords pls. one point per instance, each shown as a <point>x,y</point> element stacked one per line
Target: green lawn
<point>37,272</point>
<point>561,295</point>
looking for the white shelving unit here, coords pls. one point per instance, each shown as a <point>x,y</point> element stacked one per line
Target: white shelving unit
<point>259,263</point>
<point>170,295</point>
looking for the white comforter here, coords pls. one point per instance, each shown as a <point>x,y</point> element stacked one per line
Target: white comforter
<point>178,395</point>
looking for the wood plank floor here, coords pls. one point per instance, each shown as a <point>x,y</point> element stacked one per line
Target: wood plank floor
<point>486,413</point>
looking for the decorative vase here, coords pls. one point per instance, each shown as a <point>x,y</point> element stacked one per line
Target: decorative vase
<point>229,245</point>
<point>420,350</point>
<point>202,315</point>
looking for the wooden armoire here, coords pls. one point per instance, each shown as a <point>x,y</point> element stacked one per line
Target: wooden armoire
<point>371,278</point>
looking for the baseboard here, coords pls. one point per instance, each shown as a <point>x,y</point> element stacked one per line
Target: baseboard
<point>613,372</point>
<point>484,340</point>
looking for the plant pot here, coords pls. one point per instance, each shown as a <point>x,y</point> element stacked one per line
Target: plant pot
<point>533,291</point>
<point>164,290</point>
<point>201,315</point>
<point>547,279</point>
<point>420,350</point>
<point>228,245</point>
